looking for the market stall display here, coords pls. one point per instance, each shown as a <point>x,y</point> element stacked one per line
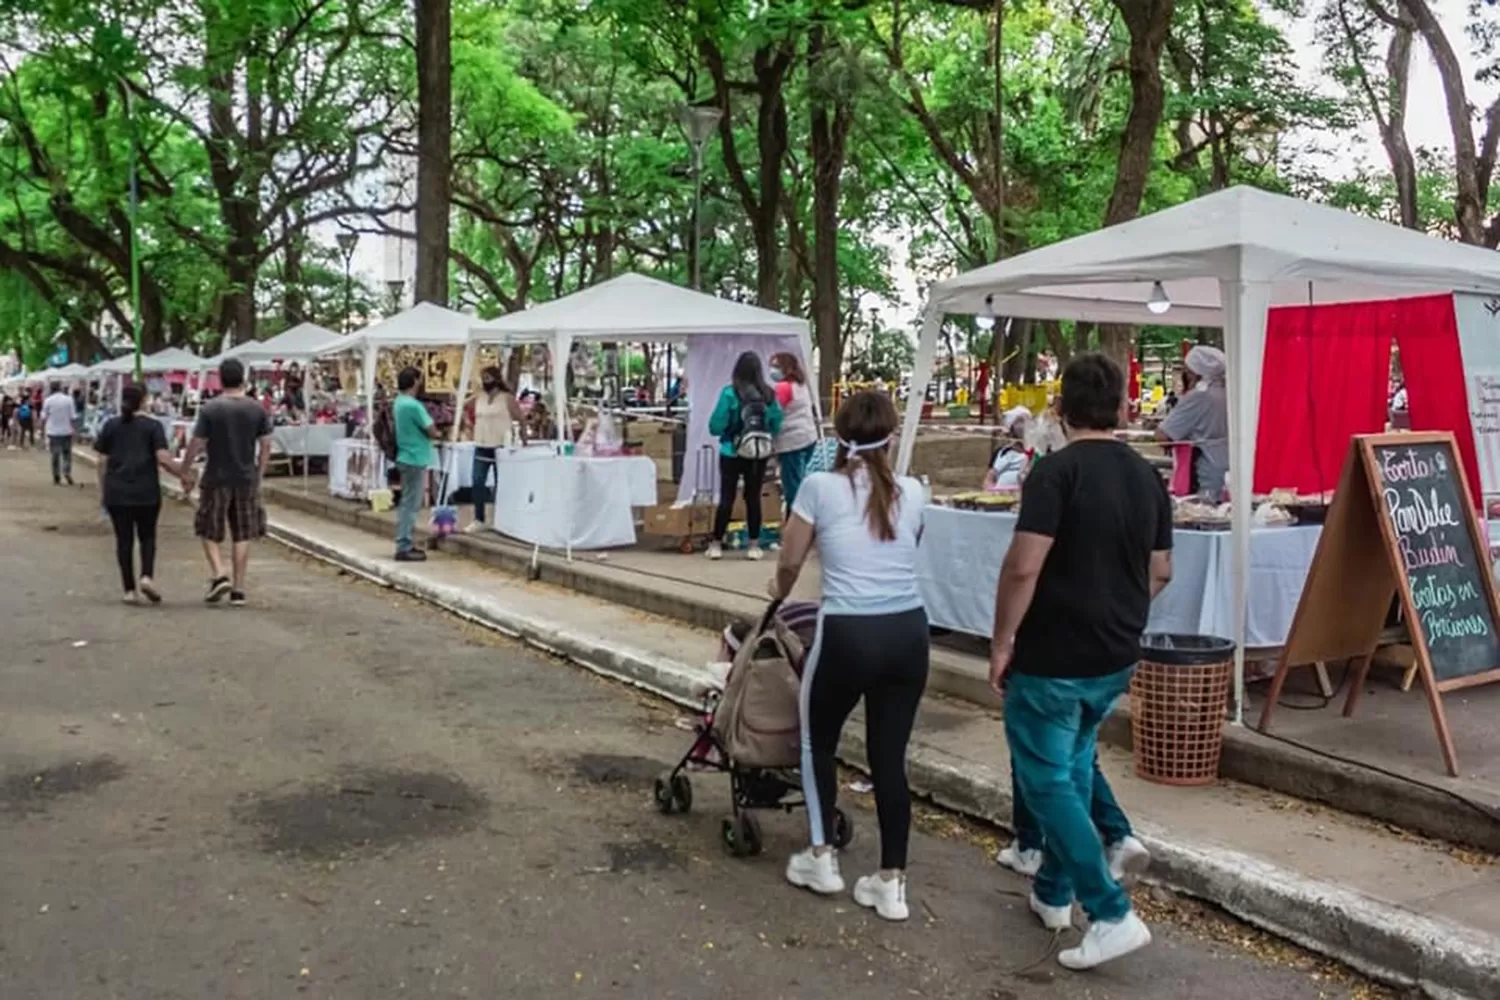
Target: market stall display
<point>1219,261</point>
<point>569,501</point>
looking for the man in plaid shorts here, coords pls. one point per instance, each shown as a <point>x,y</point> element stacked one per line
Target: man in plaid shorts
<point>235,433</point>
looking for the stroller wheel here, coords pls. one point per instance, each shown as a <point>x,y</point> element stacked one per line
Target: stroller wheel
<point>741,835</point>
<point>843,828</point>
<point>664,794</point>
<point>682,793</point>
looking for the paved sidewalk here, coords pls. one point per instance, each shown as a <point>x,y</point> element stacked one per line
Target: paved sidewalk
<point>1400,908</point>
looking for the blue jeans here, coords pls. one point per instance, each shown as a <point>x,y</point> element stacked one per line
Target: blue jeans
<point>484,464</point>
<point>1108,817</point>
<point>61,447</point>
<point>413,485</point>
<point>1052,725</point>
<point>793,466</point>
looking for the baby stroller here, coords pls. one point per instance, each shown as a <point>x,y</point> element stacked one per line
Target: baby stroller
<point>759,746</point>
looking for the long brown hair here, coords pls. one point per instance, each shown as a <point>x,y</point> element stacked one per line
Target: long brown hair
<point>791,367</point>
<point>865,418</point>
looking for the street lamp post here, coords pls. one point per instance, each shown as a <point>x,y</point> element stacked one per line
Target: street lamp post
<point>698,122</point>
<point>397,287</point>
<point>346,241</point>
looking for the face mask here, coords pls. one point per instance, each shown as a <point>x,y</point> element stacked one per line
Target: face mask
<point>776,375</point>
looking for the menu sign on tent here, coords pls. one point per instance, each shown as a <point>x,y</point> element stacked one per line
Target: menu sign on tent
<point>1401,528</point>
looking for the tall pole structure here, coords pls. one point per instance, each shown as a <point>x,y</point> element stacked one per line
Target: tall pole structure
<point>135,262</point>
<point>698,123</point>
<point>346,241</point>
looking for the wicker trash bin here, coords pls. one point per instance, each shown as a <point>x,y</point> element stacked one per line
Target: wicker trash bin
<point>1179,700</point>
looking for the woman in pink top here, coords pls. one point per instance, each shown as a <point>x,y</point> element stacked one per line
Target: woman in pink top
<point>799,426</point>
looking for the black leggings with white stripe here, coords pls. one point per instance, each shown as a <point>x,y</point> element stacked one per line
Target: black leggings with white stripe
<point>882,658</point>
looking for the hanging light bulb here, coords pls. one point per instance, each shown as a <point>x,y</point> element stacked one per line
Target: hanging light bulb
<point>1158,303</point>
<point>986,319</point>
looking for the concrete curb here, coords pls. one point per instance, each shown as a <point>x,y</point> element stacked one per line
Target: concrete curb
<point>1388,943</point>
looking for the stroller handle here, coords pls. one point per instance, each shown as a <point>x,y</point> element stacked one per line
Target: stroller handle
<point>765,620</point>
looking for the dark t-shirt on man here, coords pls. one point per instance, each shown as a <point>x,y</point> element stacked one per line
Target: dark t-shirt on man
<point>232,427</point>
<point>129,448</point>
<point>1106,510</point>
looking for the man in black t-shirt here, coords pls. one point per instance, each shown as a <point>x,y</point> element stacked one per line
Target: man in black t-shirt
<point>1092,548</point>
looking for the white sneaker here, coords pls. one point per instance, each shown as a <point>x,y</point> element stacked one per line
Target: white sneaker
<point>1054,918</point>
<point>475,528</point>
<point>1022,862</point>
<point>818,872</point>
<point>887,897</point>
<point>715,551</point>
<point>1128,860</point>
<point>1105,941</point>
<point>754,553</point>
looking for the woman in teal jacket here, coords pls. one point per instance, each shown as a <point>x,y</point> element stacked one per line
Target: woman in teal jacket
<point>745,420</point>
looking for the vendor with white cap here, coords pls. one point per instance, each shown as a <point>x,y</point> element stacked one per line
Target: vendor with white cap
<point>1009,465</point>
<point>1201,418</point>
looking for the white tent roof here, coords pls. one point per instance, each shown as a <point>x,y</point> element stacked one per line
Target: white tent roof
<point>1240,234</point>
<point>124,363</point>
<point>423,325</point>
<point>67,371</point>
<point>634,307</point>
<point>296,344</point>
<point>171,359</point>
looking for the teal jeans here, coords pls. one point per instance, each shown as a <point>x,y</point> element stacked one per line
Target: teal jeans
<point>1052,726</point>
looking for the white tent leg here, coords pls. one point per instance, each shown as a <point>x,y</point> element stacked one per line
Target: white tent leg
<point>921,374</point>
<point>1245,305</point>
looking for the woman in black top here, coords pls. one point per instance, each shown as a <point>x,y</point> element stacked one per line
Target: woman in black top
<point>132,447</point>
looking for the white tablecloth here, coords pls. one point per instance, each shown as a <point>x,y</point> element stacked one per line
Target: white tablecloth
<point>958,565</point>
<point>564,501</point>
<point>355,467</point>
<point>306,439</point>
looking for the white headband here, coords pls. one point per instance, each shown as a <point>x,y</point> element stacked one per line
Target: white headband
<point>855,449</point>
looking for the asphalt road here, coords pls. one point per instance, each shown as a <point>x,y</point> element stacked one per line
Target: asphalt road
<point>339,793</point>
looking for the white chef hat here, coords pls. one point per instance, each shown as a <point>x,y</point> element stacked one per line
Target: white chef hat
<point>1013,416</point>
<point>1207,362</point>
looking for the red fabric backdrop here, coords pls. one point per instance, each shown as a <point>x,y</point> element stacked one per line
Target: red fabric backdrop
<point>1432,361</point>
<point>1325,378</point>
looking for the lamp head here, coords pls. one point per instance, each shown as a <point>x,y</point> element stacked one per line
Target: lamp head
<point>1159,302</point>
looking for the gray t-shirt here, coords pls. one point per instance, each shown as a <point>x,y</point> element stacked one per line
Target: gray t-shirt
<point>232,428</point>
<point>1201,417</point>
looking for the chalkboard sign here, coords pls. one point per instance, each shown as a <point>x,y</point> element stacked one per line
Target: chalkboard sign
<point>1446,565</point>
<point>1401,527</point>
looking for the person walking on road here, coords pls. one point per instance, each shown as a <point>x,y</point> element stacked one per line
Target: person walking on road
<point>1092,547</point>
<point>58,414</point>
<point>871,642</point>
<point>131,448</point>
<point>25,423</point>
<point>235,433</point>
<point>496,417</point>
<point>415,432</point>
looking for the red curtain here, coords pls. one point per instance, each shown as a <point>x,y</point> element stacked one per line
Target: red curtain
<point>1325,378</point>
<point>1432,362</point>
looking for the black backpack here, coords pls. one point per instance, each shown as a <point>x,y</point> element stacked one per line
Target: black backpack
<point>384,430</point>
<point>753,439</point>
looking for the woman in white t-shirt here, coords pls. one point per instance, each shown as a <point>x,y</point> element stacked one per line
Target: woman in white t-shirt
<point>871,642</point>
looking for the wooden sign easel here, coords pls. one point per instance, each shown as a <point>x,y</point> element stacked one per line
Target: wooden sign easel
<point>1359,568</point>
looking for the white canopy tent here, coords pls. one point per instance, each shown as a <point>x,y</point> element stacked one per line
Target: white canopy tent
<point>631,308</point>
<point>1222,260</point>
<point>301,343</point>
<point>424,325</point>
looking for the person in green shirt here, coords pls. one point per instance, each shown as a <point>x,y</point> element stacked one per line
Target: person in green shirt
<point>745,420</point>
<point>415,432</point>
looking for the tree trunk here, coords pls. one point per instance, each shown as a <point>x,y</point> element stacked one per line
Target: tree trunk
<point>292,309</point>
<point>434,142</point>
<point>831,119</point>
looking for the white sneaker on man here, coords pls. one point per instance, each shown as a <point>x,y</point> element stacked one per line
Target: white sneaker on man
<point>887,897</point>
<point>476,528</point>
<point>1105,941</point>
<point>1054,918</point>
<point>754,553</point>
<point>1022,862</point>
<point>1128,860</point>
<point>818,872</point>
<point>715,551</point>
